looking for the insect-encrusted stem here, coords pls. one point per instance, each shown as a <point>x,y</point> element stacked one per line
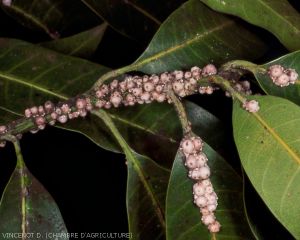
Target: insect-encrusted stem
<point>249,105</point>
<point>196,160</point>
<point>130,91</point>
<point>205,198</point>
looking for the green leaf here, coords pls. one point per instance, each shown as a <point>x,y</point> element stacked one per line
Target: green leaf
<point>183,217</point>
<point>291,92</point>
<point>55,17</point>
<point>254,205</point>
<point>189,37</point>
<point>268,145</point>
<point>147,183</point>
<point>83,44</point>
<point>146,189</point>
<point>278,17</point>
<point>146,192</point>
<point>30,75</point>
<point>158,125</point>
<point>27,208</point>
<point>137,19</point>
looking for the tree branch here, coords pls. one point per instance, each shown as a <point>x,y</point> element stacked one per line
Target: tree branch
<point>91,99</point>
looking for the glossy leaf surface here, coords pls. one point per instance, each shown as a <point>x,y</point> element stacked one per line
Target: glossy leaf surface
<point>253,204</point>
<point>189,37</point>
<point>55,18</point>
<point>278,17</point>
<point>83,44</point>
<point>27,208</point>
<point>291,92</point>
<point>268,145</point>
<point>137,19</point>
<point>183,217</point>
<point>33,75</point>
<point>146,191</point>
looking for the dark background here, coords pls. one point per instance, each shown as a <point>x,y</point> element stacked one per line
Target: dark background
<point>89,183</point>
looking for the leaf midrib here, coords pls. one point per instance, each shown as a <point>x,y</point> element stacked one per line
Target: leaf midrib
<point>290,151</point>
<point>99,29</point>
<point>179,46</point>
<point>144,12</point>
<point>32,19</point>
<point>136,165</point>
<point>64,97</point>
<point>260,119</point>
<point>39,88</point>
<point>20,169</point>
<point>103,19</point>
<point>278,15</point>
